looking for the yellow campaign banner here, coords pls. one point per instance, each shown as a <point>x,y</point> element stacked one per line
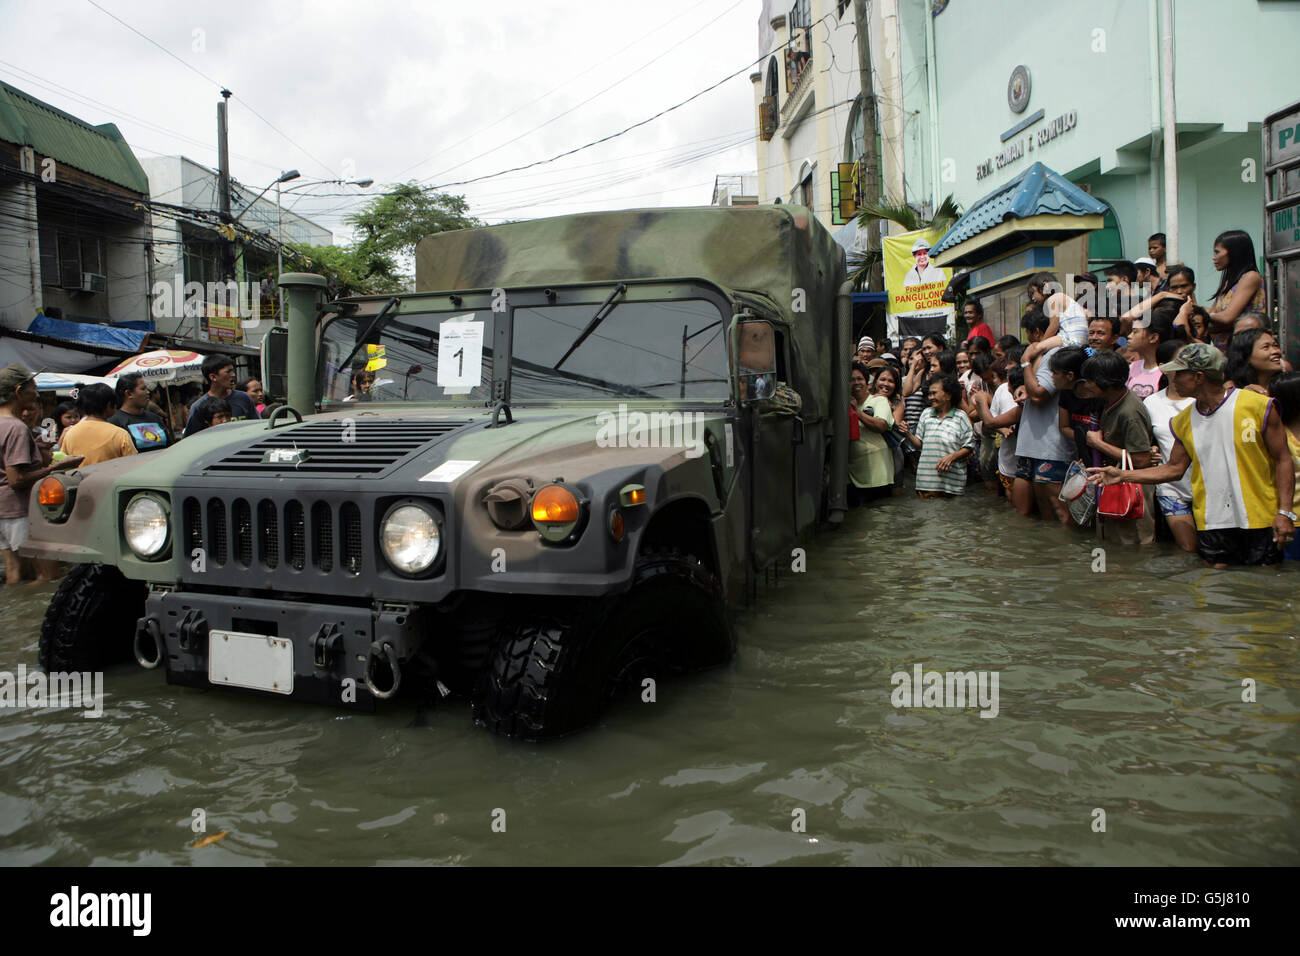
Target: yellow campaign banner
<point>224,325</point>
<point>915,285</point>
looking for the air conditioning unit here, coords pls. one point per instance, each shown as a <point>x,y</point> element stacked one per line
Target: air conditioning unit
<point>91,282</point>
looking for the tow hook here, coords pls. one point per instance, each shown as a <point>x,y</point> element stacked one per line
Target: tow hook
<point>326,644</point>
<point>148,640</point>
<point>380,652</point>
<point>193,631</point>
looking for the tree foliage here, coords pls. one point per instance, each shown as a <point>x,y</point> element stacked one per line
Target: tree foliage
<point>386,231</point>
<point>900,213</point>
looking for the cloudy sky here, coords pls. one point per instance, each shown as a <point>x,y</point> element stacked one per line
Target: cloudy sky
<point>436,91</point>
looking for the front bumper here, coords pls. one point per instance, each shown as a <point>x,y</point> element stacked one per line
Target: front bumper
<point>333,646</point>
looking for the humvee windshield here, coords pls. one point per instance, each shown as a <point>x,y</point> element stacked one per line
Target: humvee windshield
<point>665,349</point>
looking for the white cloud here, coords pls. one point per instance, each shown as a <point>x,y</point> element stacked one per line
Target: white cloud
<point>413,90</point>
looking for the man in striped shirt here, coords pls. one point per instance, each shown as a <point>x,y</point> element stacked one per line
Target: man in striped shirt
<point>1242,475</point>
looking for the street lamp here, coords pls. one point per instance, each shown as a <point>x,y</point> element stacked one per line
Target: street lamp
<point>284,177</point>
<point>279,213</point>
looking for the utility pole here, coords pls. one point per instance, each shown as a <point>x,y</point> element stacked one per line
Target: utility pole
<point>223,184</point>
<point>1170,132</point>
<point>870,175</point>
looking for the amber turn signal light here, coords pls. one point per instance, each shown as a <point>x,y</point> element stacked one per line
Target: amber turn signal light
<point>555,505</point>
<point>52,494</point>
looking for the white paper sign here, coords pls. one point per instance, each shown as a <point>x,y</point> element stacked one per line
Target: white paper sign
<point>449,471</point>
<point>460,353</point>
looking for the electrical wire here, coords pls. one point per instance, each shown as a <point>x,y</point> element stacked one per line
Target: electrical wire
<point>221,86</point>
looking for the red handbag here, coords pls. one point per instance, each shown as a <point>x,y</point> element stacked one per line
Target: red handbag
<point>854,424</point>
<point>1122,501</point>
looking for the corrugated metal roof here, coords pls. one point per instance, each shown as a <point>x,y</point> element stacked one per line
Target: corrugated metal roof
<point>98,150</point>
<point>1036,191</point>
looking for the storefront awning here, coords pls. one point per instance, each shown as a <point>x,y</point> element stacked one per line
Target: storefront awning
<point>104,336</point>
<point>1038,205</point>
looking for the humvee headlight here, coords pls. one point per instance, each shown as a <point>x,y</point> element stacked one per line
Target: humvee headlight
<point>145,526</point>
<point>410,539</point>
<point>557,512</point>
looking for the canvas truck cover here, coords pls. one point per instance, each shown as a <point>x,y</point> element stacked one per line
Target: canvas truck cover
<point>770,251</point>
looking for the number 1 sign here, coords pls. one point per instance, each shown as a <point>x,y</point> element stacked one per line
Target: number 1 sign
<point>460,354</point>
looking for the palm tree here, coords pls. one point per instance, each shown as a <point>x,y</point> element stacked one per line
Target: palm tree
<point>867,266</point>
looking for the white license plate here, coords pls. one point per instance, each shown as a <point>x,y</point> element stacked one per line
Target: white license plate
<point>255,661</point>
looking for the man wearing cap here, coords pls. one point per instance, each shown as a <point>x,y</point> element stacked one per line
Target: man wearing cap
<point>1148,276</point>
<point>924,272</point>
<point>866,349</point>
<point>21,467</point>
<point>1242,476</point>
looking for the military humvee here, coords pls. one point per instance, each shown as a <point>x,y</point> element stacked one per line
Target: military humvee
<point>536,481</point>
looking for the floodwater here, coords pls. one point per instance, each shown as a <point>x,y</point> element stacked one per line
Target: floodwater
<point>1118,692</point>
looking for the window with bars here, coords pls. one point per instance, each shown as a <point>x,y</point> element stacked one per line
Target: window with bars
<point>801,15</point>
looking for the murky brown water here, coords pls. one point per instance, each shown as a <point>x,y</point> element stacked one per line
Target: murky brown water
<point>1119,691</point>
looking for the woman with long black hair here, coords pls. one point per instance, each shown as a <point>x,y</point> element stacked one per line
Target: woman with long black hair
<point>1254,359</point>
<point>1241,287</point>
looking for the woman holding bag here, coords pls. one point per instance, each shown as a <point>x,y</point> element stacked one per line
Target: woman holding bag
<point>1125,439</point>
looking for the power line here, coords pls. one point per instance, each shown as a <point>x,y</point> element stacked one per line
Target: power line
<point>594,96</point>
<point>220,86</point>
<point>640,39</point>
<point>625,130</point>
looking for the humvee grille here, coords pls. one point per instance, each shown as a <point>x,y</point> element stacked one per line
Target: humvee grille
<point>346,447</point>
<point>258,530</point>
<point>193,527</point>
<point>351,557</point>
<point>322,541</point>
<point>216,532</point>
<point>295,534</point>
<point>269,538</point>
<point>243,516</point>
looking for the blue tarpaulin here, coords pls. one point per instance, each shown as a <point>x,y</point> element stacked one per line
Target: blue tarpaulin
<point>105,336</point>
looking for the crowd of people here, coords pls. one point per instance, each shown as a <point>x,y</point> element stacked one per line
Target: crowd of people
<point>102,424</point>
<point>1127,408</point>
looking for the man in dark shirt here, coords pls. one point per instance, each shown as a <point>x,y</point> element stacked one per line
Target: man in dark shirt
<point>219,374</point>
<point>148,431</point>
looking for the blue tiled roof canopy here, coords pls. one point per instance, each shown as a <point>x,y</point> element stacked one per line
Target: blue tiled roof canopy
<point>1036,191</point>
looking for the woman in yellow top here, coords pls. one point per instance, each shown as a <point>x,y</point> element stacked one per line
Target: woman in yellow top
<point>1285,392</point>
<point>94,436</point>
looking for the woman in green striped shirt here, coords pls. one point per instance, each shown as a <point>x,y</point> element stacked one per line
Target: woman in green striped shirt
<point>943,434</point>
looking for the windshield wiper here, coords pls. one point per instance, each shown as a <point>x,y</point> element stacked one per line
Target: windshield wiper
<point>602,313</point>
<point>361,339</point>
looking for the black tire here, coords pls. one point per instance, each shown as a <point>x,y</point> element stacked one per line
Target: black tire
<point>90,622</point>
<point>553,675</point>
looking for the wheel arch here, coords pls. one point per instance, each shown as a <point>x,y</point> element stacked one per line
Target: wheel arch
<point>684,523</point>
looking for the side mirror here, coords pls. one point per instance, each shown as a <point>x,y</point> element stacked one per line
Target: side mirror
<point>755,359</point>
<point>275,361</point>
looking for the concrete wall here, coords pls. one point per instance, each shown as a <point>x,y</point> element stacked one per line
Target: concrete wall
<point>1234,63</point>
